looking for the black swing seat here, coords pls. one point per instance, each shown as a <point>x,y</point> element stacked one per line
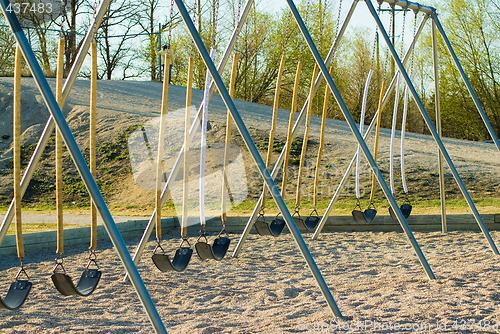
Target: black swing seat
<point>364,216</point>
<point>217,251</point>
<point>273,229</point>
<point>405,210</point>
<point>179,263</point>
<point>85,286</point>
<point>311,222</point>
<point>16,296</point>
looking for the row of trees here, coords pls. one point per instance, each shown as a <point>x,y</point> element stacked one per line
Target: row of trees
<point>128,41</point>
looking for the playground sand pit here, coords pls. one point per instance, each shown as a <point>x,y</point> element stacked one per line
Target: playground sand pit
<point>375,278</point>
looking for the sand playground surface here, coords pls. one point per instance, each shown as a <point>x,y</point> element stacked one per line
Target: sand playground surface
<point>375,278</point>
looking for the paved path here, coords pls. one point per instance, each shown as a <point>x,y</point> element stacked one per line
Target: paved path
<point>69,218</point>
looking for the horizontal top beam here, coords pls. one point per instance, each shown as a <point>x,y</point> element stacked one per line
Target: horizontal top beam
<point>411,5</point>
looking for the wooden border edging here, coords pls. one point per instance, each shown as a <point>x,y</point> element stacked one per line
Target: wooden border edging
<point>135,228</point>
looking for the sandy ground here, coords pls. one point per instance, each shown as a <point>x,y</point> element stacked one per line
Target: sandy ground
<point>375,278</point>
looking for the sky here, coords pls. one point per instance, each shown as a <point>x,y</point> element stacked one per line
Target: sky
<point>360,19</point>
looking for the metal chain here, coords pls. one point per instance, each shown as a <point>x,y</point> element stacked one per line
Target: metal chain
<point>387,51</point>
<point>403,33</point>
<point>237,22</point>
<point>305,23</point>
<point>338,20</point>
<point>63,15</point>
<point>287,32</point>
<point>374,48</point>
<point>414,34</point>
<point>194,22</point>
<point>322,18</point>
<point>216,18</point>
<point>170,26</point>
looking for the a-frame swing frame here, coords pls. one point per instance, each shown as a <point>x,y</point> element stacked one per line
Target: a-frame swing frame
<point>436,132</point>
<point>57,116</point>
<point>76,154</point>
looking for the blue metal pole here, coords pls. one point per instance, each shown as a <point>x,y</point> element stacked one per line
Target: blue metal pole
<point>83,169</point>
<point>49,127</point>
<point>466,81</point>
<point>296,126</point>
<point>348,171</point>
<point>175,168</point>
<point>432,129</point>
<point>359,138</point>
<point>258,159</point>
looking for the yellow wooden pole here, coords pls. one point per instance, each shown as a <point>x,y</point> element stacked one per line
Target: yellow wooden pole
<point>377,133</point>
<point>321,142</point>
<point>159,169</point>
<point>59,142</point>
<point>17,152</point>
<point>229,125</point>
<point>93,141</point>
<point>306,136</point>
<point>290,128</point>
<point>273,125</point>
<point>187,124</point>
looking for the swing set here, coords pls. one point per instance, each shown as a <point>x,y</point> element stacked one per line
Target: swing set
<point>20,288</point>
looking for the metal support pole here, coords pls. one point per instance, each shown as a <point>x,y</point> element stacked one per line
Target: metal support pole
<point>83,169</point>
<point>466,81</point>
<point>295,128</point>
<point>437,102</point>
<point>341,186</point>
<point>433,131</point>
<point>357,134</point>
<point>173,173</point>
<point>49,127</point>
<point>257,158</point>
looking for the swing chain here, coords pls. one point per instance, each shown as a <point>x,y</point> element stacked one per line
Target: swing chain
<point>184,239</point>
<point>297,211</point>
<point>305,23</point>
<point>92,259</point>
<point>59,264</point>
<point>237,22</point>
<point>287,32</point>
<point>414,33</point>
<point>203,234</point>
<point>358,204</point>
<point>372,56</point>
<point>169,39</point>
<point>403,31</point>
<point>22,271</point>
<point>314,211</point>
<point>216,18</point>
<point>158,246</point>
<point>338,20</point>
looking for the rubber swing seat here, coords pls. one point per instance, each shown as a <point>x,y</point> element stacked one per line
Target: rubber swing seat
<point>273,229</point>
<point>217,251</point>
<point>179,263</point>
<point>405,210</point>
<point>86,285</point>
<point>16,296</point>
<point>364,216</point>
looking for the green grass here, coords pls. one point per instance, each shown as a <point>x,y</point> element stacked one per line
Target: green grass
<point>41,227</point>
<point>343,207</point>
